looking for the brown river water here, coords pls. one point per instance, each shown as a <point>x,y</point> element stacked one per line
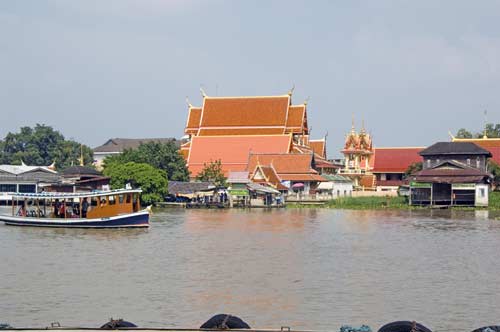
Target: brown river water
<point>305,268</point>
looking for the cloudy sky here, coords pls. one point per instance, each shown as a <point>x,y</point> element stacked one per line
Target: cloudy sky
<point>96,69</point>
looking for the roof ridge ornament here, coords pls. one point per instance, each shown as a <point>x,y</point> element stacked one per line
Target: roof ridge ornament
<point>203,94</point>
<point>188,103</point>
<point>290,92</point>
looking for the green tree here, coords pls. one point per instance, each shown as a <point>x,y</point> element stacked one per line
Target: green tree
<point>152,181</point>
<point>42,145</point>
<point>413,168</point>
<point>494,169</point>
<point>463,133</point>
<point>164,156</point>
<point>212,172</point>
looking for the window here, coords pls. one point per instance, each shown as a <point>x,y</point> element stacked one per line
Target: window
<point>468,161</point>
<point>481,192</point>
<point>428,163</point>
<point>478,163</point>
<point>129,198</point>
<point>437,161</point>
<point>120,199</point>
<point>27,188</point>
<point>112,200</point>
<point>7,188</point>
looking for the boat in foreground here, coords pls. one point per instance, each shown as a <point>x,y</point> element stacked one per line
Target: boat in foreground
<point>98,209</point>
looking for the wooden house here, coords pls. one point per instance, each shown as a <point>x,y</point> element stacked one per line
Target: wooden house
<point>454,173</point>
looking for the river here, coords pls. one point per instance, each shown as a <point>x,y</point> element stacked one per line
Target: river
<point>304,268</point>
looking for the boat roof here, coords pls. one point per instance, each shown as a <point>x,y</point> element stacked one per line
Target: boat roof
<point>55,195</point>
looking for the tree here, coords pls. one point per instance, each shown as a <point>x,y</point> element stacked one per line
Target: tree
<point>494,169</point>
<point>42,145</point>
<point>463,133</point>
<point>164,156</point>
<point>413,168</point>
<point>212,172</point>
<point>152,181</point>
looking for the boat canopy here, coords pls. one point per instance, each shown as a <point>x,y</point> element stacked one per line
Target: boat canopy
<point>55,195</point>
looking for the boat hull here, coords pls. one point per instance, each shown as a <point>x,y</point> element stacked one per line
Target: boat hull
<point>131,220</point>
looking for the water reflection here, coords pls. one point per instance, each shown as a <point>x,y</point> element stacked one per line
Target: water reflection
<point>308,268</point>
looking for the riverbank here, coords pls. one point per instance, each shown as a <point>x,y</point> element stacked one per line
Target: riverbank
<point>391,203</point>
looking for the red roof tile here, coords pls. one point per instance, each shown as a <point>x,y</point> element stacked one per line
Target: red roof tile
<point>394,160</point>
<point>193,121</point>
<point>295,119</point>
<point>319,147</point>
<point>490,144</point>
<point>233,151</point>
<point>245,111</point>
<point>283,163</point>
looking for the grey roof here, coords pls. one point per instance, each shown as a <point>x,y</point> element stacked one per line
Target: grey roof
<point>74,171</point>
<point>336,178</point>
<point>454,148</point>
<point>120,144</point>
<point>180,187</point>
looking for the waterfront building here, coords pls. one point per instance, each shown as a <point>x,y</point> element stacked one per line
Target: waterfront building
<point>375,168</point>
<point>25,179</point>
<point>294,171</point>
<point>335,186</point>
<point>79,179</point>
<point>490,144</point>
<point>231,129</point>
<point>389,164</point>
<point>115,146</point>
<point>454,173</point>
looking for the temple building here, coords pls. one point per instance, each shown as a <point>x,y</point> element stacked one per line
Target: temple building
<point>372,168</point>
<point>233,129</point>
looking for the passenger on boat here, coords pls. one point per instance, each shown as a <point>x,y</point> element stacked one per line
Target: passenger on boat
<point>57,206</point>
<point>85,207</point>
<point>62,209</point>
<point>22,210</point>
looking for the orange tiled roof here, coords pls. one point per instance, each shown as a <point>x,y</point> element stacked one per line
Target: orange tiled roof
<point>394,160</point>
<point>319,147</point>
<point>245,111</point>
<point>233,151</point>
<point>240,131</point>
<point>193,121</point>
<point>303,177</point>
<point>270,177</point>
<point>295,119</point>
<point>283,163</point>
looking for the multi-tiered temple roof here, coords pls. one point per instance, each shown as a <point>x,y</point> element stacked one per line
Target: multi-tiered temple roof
<point>231,129</point>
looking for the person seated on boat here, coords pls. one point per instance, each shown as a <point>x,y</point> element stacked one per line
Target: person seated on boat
<point>62,210</point>
<point>57,206</point>
<point>85,207</point>
<point>22,210</point>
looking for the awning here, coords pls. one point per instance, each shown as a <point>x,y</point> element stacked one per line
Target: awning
<point>262,189</point>
<point>298,185</point>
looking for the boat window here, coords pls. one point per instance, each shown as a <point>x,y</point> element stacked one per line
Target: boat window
<point>93,201</point>
<point>103,201</point>
<point>120,198</point>
<point>134,199</point>
<point>129,198</point>
<point>112,200</point>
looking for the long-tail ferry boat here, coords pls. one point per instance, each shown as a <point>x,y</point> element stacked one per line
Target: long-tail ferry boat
<point>97,209</point>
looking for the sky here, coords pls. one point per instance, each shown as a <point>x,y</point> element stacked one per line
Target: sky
<point>412,71</point>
